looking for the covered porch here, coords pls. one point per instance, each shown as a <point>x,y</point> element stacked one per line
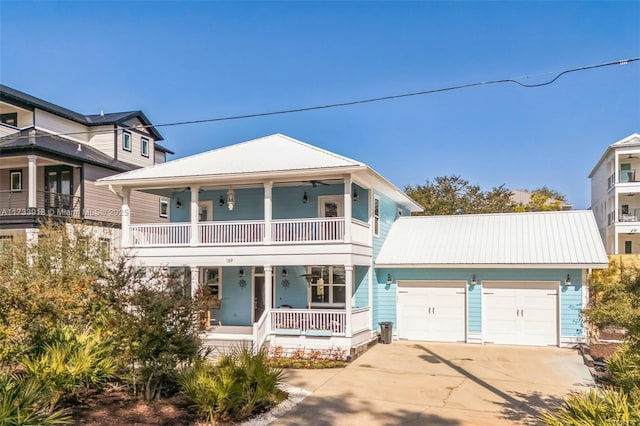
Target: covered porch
<point>317,306</point>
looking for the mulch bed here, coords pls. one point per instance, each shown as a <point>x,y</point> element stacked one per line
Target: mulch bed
<point>119,407</point>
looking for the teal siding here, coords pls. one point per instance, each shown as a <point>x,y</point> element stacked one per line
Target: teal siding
<point>249,205</point>
<point>570,297</point>
<point>361,286</point>
<point>360,208</point>
<point>293,292</point>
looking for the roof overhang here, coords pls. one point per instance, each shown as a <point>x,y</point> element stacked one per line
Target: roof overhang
<point>614,146</point>
<point>493,266</point>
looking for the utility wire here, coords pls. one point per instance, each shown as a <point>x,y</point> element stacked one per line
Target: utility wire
<point>513,80</point>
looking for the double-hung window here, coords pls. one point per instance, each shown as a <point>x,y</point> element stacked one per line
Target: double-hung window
<point>126,141</point>
<point>376,216</point>
<point>328,286</point>
<point>144,147</point>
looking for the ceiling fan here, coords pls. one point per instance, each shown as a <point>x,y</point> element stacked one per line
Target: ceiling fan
<point>315,183</point>
<point>631,156</point>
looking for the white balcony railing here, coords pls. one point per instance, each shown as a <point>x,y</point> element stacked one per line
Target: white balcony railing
<point>360,320</point>
<point>308,321</point>
<point>212,233</point>
<point>160,234</point>
<point>299,230</point>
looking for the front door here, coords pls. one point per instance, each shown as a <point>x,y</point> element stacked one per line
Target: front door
<point>330,206</point>
<point>58,187</point>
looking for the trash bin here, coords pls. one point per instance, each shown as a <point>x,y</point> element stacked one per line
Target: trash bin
<point>386,332</point>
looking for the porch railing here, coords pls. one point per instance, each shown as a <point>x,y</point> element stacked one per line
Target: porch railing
<point>360,320</point>
<point>305,320</point>
<point>628,215</point>
<point>310,229</point>
<point>250,231</point>
<point>260,330</point>
<point>160,234</point>
<point>360,232</point>
<point>629,176</point>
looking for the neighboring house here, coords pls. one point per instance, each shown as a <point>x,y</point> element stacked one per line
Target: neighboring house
<point>50,158</point>
<point>306,248</point>
<point>522,198</point>
<point>615,196</point>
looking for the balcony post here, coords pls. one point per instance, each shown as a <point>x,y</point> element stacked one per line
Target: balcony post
<point>195,208</point>
<point>268,294</point>
<point>348,306</point>
<point>32,201</point>
<point>348,181</point>
<point>268,211</point>
<point>126,218</point>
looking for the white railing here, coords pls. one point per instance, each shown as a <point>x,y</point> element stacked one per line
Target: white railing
<point>360,232</point>
<point>160,234</point>
<point>300,230</point>
<point>260,331</point>
<point>249,231</point>
<point>360,320</point>
<point>306,320</point>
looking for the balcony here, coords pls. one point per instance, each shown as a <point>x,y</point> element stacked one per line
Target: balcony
<point>250,232</point>
<point>629,176</point>
<point>15,204</point>
<point>628,215</point>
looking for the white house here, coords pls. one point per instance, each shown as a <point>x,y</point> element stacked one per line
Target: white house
<point>307,248</point>
<point>615,185</point>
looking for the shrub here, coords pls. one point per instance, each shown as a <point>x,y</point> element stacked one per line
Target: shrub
<point>71,362</point>
<point>239,385</point>
<point>25,402</point>
<point>624,368</point>
<point>603,407</point>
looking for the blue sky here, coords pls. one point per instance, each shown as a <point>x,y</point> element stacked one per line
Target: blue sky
<point>192,60</point>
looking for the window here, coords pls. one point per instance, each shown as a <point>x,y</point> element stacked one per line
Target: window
<point>16,180</point>
<point>205,211</point>
<point>376,216</point>
<point>126,141</point>
<point>10,118</point>
<point>164,207</point>
<point>211,280</point>
<point>105,248</point>
<point>179,281</point>
<point>144,147</point>
<point>328,285</point>
<point>627,247</point>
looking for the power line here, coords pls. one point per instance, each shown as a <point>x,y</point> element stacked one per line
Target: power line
<point>513,80</point>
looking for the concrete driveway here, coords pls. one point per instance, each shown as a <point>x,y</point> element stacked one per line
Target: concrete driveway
<point>420,383</point>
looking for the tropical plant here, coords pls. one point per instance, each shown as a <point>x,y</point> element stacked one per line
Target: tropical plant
<point>239,385</point>
<point>598,407</point>
<point>624,369</point>
<point>25,402</point>
<point>71,362</point>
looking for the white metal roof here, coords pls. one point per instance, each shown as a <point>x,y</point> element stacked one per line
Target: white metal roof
<point>274,153</point>
<point>544,239</point>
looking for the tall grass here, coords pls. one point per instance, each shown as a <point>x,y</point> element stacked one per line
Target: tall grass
<point>26,402</point>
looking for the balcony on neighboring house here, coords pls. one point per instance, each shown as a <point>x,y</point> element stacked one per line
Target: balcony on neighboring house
<point>47,203</point>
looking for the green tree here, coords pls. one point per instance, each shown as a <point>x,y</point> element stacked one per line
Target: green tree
<point>448,195</point>
<point>543,199</point>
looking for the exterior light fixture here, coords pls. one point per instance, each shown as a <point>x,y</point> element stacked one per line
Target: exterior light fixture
<point>221,202</point>
<point>473,280</point>
<point>231,198</point>
<point>178,204</point>
<point>241,273</point>
<point>305,198</point>
<point>389,280</point>
<point>568,280</point>
<point>355,195</point>
<point>284,272</point>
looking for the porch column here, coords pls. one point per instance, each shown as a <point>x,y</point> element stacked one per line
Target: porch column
<point>195,208</point>
<point>348,275</point>
<point>126,218</point>
<point>268,212</point>
<point>195,280</point>
<point>32,200</point>
<point>268,287</point>
<point>348,181</point>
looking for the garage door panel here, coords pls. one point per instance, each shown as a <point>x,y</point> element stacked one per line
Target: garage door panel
<point>520,313</point>
<point>431,310</point>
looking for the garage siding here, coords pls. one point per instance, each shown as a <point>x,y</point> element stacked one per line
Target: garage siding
<point>570,296</point>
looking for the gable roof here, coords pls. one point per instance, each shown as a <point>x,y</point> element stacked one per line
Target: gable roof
<point>10,95</point>
<point>506,240</point>
<point>268,157</point>
<point>45,142</point>
<point>631,141</point>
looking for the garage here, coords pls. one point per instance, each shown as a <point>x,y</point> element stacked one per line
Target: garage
<point>520,313</point>
<point>431,310</point>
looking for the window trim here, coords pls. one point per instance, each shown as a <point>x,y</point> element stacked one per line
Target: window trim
<point>124,138</point>
<point>15,172</point>
<point>329,286</point>
<point>142,145</point>
<point>166,203</point>
<point>376,217</point>
<point>9,116</point>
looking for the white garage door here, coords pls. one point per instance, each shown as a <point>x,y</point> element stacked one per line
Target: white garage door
<point>431,310</point>
<point>520,313</point>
